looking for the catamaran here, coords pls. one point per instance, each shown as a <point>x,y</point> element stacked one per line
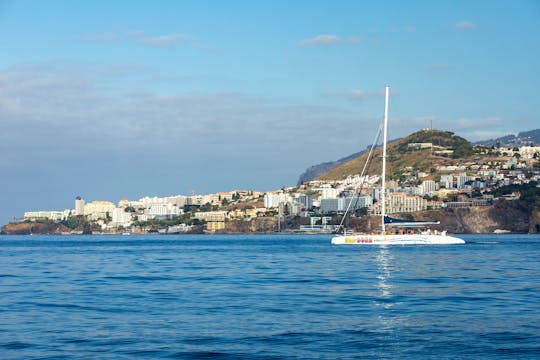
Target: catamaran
<point>408,232</point>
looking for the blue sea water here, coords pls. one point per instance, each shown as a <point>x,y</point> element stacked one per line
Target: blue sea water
<point>267,296</point>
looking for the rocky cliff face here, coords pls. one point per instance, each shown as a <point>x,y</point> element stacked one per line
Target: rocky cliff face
<point>512,216</point>
<point>315,171</point>
<point>257,225</point>
<point>33,228</point>
<point>534,222</point>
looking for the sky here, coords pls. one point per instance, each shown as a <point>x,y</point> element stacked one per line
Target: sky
<point>126,99</point>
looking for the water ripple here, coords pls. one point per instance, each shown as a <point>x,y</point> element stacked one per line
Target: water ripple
<point>267,297</point>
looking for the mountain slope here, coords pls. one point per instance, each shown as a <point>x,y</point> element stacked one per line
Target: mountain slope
<point>523,138</point>
<point>315,171</point>
<point>511,140</point>
<point>401,158</point>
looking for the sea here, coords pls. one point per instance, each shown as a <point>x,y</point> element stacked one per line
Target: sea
<point>267,297</point>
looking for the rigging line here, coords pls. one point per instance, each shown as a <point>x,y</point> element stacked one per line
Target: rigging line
<point>368,160</point>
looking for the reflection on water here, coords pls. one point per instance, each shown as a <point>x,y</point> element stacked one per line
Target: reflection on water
<point>384,261</point>
<point>389,319</point>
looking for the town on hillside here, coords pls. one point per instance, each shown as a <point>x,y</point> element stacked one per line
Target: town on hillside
<point>431,176</point>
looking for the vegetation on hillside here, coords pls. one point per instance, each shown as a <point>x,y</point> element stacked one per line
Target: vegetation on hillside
<point>401,158</point>
<point>529,193</point>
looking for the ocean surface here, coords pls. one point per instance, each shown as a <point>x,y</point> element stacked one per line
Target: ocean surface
<point>267,296</point>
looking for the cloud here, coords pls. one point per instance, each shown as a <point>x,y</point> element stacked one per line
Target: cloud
<point>52,112</point>
<point>359,95</point>
<point>164,40</point>
<point>103,37</point>
<point>328,40</point>
<point>465,25</point>
<point>438,67</point>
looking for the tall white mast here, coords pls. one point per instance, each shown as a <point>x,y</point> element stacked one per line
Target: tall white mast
<point>383,195</point>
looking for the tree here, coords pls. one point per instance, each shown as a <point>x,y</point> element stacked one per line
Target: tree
<point>464,149</point>
<point>206,207</point>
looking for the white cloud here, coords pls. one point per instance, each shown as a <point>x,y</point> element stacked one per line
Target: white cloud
<point>328,40</point>
<point>357,94</point>
<point>103,37</point>
<point>465,25</point>
<point>165,40</point>
<point>54,111</point>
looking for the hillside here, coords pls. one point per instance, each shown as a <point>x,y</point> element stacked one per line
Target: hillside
<point>523,138</point>
<point>511,140</point>
<point>447,147</point>
<point>315,171</point>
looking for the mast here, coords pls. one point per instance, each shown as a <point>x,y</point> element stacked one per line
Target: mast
<point>385,126</point>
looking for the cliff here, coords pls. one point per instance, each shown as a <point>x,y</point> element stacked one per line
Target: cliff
<point>534,222</point>
<point>257,225</point>
<point>315,171</point>
<point>513,216</point>
<point>27,228</point>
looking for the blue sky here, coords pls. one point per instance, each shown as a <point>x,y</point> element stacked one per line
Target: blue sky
<point>115,99</point>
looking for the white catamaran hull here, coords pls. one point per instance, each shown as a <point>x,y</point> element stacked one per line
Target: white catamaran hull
<point>408,239</point>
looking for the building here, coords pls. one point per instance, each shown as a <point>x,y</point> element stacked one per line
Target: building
<point>339,205</point>
<point>305,200</point>
<point>79,206</point>
<point>213,226</point>
<point>121,218</point>
<point>419,146</point>
<point>99,210</point>
<point>447,181</point>
<point>211,216</point>
<point>462,179</point>
<point>163,211</point>
<point>46,215</point>
<point>329,193</point>
<point>273,199</point>
<point>401,203</point>
<point>428,187</point>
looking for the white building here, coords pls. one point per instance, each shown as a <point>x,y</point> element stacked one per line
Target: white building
<point>79,206</point>
<point>163,210</point>
<point>428,187</point>
<point>329,193</point>
<point>341,204</point>
<point>211,215</point>
<point>98,210</point>
<point>447,181</point>
<point>273,199</point>
<point>461,179</point>
<point>121,218</point>
<point>46,215</point>
<point>401,203</point>
<point>527,152</point>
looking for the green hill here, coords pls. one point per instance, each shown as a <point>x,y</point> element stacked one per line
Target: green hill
<point>411,153</point>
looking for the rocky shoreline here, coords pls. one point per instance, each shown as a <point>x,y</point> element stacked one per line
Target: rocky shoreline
<point>502,217</point>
